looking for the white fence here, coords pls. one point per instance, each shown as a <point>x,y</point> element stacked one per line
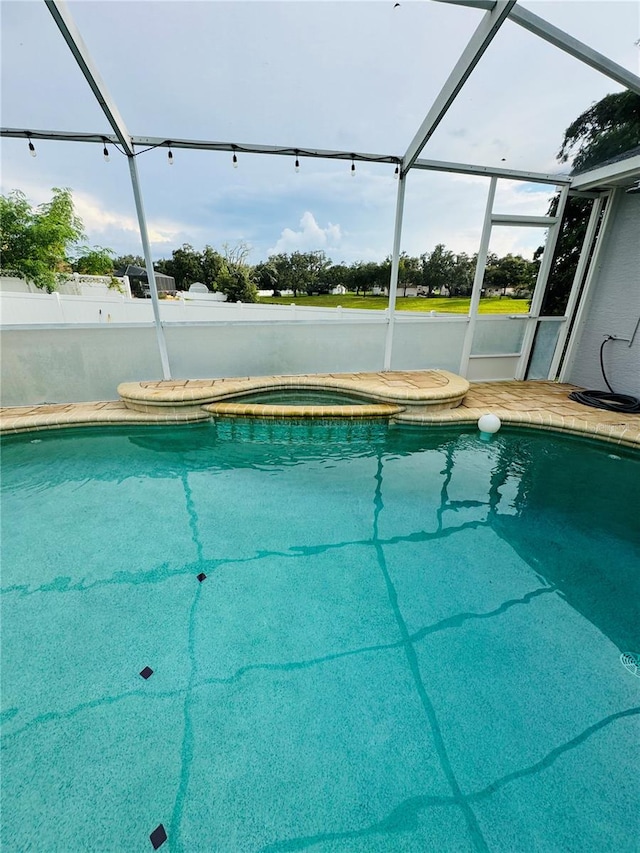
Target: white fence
<point>20,309</point>
<point>74,284</point>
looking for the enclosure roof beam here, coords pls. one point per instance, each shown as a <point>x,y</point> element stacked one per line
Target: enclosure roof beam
<point>283,150</point>
<point>491,172</point>
<point>575,48</point>
<point>328,154</point>
<point>74,40</point>
<point>562,40</point>
<point>471,55</point>
<point>201,145</point>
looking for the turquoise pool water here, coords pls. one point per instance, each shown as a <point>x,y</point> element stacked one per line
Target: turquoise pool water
<point>301,397</point>
<point>406,640</point>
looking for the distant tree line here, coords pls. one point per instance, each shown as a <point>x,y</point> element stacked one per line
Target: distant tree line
<point>440,272</point>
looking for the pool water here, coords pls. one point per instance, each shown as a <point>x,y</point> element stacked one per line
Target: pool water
<point>406,640</point>
<point>301,397</point>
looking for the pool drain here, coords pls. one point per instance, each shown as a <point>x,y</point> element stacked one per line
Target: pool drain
<point>631,661</point>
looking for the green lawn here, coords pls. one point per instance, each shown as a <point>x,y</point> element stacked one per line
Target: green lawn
<point>490,305</point>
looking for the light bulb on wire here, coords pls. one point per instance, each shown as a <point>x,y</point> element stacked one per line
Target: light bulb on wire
<point>397,172</point>
<point>235,160</point>
<point>170,156</point>
<point>297,164</point>
<point>105,151</point>
<point>32,148</point>
<point>353,168</point>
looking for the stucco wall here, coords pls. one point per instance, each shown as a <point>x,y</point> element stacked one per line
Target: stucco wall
<point>73,363</point>
<point>613,307</point>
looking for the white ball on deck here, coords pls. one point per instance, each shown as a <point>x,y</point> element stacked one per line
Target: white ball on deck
<point>489,423</point>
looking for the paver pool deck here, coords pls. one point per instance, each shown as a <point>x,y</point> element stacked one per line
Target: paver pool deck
<point>411,397</point>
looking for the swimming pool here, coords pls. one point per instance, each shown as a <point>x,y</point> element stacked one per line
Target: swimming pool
<point>405,640</point>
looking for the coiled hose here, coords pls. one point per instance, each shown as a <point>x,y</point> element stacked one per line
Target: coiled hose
<point>601,399</point>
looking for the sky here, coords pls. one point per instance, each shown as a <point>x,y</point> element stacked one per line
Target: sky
<point>354,76</point>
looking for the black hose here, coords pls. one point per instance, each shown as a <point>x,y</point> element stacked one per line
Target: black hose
<point>601,399</point>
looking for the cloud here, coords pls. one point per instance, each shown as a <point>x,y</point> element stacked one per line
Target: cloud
<point>310,236</point>
<point>100,222</point>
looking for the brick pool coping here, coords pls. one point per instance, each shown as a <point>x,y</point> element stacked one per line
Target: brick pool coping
<point>536,404</point>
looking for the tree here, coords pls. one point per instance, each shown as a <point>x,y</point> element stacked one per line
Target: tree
<point>366,276</point>
<point>608,128</point>
<point>212,265</point>
<point>266,277</point>
<point>185,265</point>
<point>287,271</point>
<point>409,273</point>
<point>236,256</point>
<point>461,275</point>
<point>94,261</point>
<point>36,243</point>
<point>124,261</point>
<point>436,269</point>
<point>316,264</point>
<point>237,285</point>
<point>511,271</point>
<point>235,277</point>
<point>567,253</point>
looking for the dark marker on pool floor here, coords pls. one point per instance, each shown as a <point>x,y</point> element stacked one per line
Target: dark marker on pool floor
<point>146,672</point>
<point>202,577</point>
<point>158,836</point>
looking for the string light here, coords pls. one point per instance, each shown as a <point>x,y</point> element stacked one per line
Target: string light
<point>32,148</point>
<point>105,151</point>
<point>397,172</point>
<point>297,165</point>
<point>353,168</point>
<point>235,159</point>
<point>170,156</point>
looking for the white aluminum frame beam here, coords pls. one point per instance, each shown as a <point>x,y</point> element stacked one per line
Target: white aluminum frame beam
<point>329,154</point>
<point>541,286</point>
<point>558,38</point>
<point>471,55</point>
<point>491,172</point>
<point>71,35</point>
<point>524,221</point>
<point>562,40</point>
<point>478,279</point>
<point>395,264</point>
<point>151,277</point>
<point>283,150</point>
<point>583,260</point>
<point>585,298</point>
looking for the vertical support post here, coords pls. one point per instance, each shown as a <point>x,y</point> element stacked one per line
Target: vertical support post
<point>395,262</point>
<point>592,225</point>
<point>146,247</point>
<point>59,304</point>
<point>541,285</point>
<point>581,313</point>
<point>478,279</point>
